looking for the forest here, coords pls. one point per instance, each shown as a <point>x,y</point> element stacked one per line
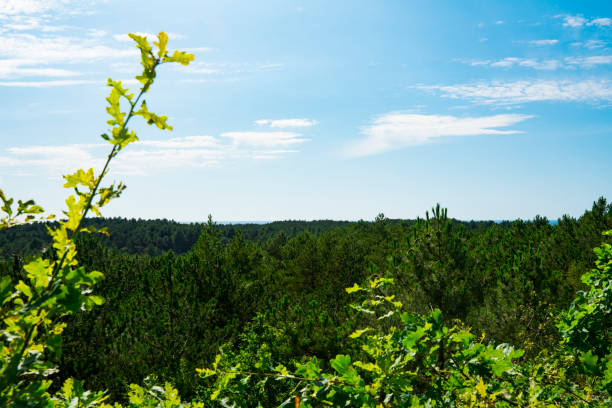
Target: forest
<point>432,312</point>
<point>282,285</point>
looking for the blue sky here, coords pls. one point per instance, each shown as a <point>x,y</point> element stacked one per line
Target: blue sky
<point>318,109</point>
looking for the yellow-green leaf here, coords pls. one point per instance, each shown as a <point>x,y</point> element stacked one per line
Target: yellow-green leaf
<point>180,57</point>
<point>161,44</point>
<point>358,333</point>
<point>117,85</point>
<point>141,42</point>
<point>354,288</point>
<point>481,387</point>
<point>38,273</point>
<point>80,177</point>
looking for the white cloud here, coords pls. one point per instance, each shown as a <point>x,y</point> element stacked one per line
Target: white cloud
<point>149,36</point>
<point>591,91</point>
<point>23,24</point>
<point>97,33</point>
<point>146,161</point>
<point>286,123</point>
<point>11,9</point>
<point>593,44</point>
<point>14,68</point>
<point>196,49</point>
<point>17,7</point>
<point>30,23</point>
<point>31,55</point>
<point>397,130</point>
<point>208,80</point>
<point>265,139</point>
<point>58,49</point>
<point>228,68</point>
<point>589,62</point>
<point>126,67</point>
<point>34,46</point>
<point>182,142</point>
<point>573,21</point>
<point>476,63</point>
<point>270,154</point>
<point>590,44</point>
<point>47,84</point>
<point>547,65</point>
<point>275,152</point>
<point>543,42</point>
<point>148,156</point>
<point>58,159</point>
<point>602,22</point>
<point>139,159</point>
<point>204,69</point>
<point>508,62</point>
<point>579,21</point>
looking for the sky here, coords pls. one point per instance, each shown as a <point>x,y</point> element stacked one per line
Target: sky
<point>317,109</point>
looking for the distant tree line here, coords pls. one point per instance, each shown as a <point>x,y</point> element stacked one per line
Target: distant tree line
<point>282,284</point>
<point>153,237</point>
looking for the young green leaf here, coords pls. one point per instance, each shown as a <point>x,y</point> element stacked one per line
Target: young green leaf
<point>161,44</point>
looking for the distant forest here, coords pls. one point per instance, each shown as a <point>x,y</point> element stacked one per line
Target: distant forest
<point>153,237</point>
<point>177,293</point>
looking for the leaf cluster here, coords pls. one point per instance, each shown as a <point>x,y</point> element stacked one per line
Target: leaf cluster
<point>32,310</point>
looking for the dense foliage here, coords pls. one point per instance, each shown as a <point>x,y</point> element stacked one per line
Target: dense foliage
<point>153,237</point>
<point>418,361</point>
<point>169,314</point>
<point>432,312</point>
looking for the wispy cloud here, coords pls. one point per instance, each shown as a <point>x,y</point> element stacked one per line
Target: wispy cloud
<point>589,62</point>
<point>150,156</point>
<point>509,62</point>
<point>19,7</point>
<point>573,21</point>
<point>546,65</point>
<point>148,160</point>
<point>13,8</point>
<point>540,43</point>
<point>590,44</point>
<point>18,68</point>
<point>35,50</point>
<point>34,47</point>
<point>527,62</point>
<point>96,33</point>
<point>182,142</point>
<point>52,55</point>
<point>602,22</point>
<point>206,68</point>
<point>149,36</point>
<point>398,130</point>
<point>47,84</point>
<point>57,159</point>
<point>590,91</point>
<point>230,68</point>
<point>286,123</point>
<point>593,44</point>
<point>265,139</point>
<point>577,21</point>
